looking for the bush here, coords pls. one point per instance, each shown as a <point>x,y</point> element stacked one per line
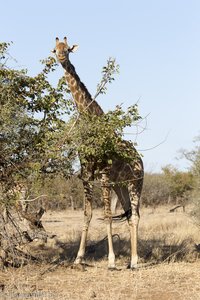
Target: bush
<point>155,190</point>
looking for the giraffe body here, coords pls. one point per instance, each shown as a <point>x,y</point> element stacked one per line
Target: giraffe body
<point>120,171</point>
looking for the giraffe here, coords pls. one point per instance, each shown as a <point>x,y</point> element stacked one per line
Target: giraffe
<point>132,173</point>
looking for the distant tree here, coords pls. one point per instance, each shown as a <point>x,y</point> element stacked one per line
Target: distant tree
<point>180,184</point>
<point>193,157</point>
<point>155,190</point>
<point>169,187</point>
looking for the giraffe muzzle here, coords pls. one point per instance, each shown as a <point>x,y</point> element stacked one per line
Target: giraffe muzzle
<point>61,57</point>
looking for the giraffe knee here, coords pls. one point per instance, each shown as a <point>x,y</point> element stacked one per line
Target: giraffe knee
<point>134,220</point>
<point>87,217</point>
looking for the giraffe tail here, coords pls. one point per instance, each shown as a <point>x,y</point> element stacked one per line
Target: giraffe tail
<point>123,217</point>
<point>120,218</point>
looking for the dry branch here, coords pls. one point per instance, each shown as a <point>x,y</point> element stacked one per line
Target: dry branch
<point>176,207</point>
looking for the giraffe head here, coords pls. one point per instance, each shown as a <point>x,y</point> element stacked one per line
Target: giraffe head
<point>62,50</point>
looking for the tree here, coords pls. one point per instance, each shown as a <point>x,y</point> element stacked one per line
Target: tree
<point>180,184</point>
<point>100,138</point>
<point>156,190</point>
<point>193,157</point>
<point>31,125</point>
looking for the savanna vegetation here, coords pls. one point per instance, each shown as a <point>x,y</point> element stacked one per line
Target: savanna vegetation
<point>40,136</point>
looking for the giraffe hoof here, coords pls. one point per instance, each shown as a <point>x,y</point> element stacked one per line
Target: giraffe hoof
<point>79,267</point>
<point>79,261</point>
<point>132,267</point>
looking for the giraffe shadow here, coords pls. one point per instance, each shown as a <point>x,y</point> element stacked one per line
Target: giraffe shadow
<point>152,251</point>
<point>95,250</point>
<point>149,251</point>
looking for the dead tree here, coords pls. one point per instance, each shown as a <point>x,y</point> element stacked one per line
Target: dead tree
<point>18,227</point>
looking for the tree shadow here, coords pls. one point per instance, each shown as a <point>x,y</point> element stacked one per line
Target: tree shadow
<point>159,251</point>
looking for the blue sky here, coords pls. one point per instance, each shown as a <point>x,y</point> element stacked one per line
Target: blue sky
<point>155,42</point>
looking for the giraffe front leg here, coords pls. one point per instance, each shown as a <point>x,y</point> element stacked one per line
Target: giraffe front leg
<point>133,223</point>
<point>108,218</point>
<point>87,218</point>
<point>111,254</point>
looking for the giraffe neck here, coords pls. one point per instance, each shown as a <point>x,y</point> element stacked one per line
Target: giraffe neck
<point>82,97</point>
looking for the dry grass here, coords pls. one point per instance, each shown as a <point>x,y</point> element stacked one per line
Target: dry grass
<point>167,245</point>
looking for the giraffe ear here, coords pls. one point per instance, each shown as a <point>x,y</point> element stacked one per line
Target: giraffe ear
<point>57,41</point>
<point>73,48</point>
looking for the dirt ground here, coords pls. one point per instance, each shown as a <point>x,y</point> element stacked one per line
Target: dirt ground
<point>162,273</point>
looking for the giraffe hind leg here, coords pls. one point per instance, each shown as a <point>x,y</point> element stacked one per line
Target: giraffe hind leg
<point>133,224</point>
<point>106,196</point>
<point>87,218</point>
<point>129,201</point>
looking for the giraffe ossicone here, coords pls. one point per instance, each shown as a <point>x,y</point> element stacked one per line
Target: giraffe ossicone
<point>120,171</point>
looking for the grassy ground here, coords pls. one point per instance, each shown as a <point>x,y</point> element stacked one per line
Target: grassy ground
<point>169,263</point>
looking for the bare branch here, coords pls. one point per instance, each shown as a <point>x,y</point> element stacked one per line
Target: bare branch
<point>31,200</point>
<point>156,146</point>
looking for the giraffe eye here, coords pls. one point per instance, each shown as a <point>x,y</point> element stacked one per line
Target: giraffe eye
<point>53,51</point>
